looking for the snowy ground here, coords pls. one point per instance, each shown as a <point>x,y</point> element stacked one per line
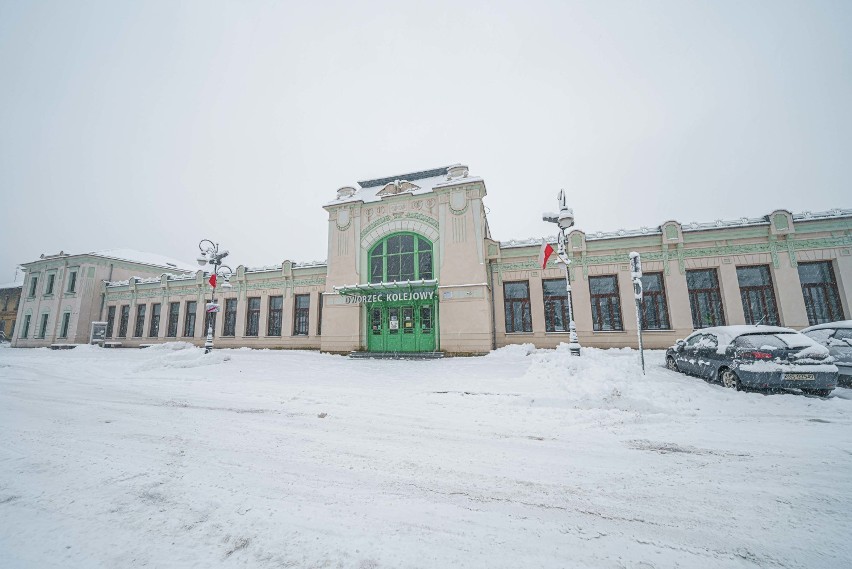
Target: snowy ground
<point>168,458</point>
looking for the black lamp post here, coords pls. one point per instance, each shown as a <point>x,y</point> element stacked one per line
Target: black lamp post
<point>210,254</point>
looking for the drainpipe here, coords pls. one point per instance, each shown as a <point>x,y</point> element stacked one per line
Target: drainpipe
<point>491,292</point>
<point>103,294</point>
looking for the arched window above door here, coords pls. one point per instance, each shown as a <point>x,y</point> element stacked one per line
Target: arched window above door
<point>401,257</point>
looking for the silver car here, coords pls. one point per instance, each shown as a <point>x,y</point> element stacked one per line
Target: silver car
<point>837,337</point>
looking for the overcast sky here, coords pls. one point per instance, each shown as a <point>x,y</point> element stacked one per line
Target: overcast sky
<point>151,125</point>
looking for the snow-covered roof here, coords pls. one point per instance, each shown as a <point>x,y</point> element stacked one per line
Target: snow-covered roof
<point>413,183</point>
<point>685,227</point>
<point>839,324</point>
<point>17,283</point>
<point>149,280</point>
<point>144,258</point>
<point>296,265</point>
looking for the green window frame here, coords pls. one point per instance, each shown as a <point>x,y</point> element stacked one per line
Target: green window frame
<point>403,256</point>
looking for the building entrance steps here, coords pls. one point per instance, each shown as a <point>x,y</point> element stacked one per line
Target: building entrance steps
<point>396,355</point>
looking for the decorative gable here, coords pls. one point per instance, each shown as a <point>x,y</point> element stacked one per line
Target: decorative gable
<point>397,187</point>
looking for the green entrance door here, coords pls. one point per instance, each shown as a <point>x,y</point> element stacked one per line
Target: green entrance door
<point>401,327</point>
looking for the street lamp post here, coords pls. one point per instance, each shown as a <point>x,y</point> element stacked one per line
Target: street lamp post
<point>210,254</point>
<point>636,275</point>
<point>565,220</point>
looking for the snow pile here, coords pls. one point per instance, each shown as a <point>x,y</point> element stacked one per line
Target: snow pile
<point>171,347</point>
<point>511,352</point>
<point>608,380</point>
<point>180,355</point>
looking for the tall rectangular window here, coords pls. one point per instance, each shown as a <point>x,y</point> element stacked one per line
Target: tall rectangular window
<point>33,286</point>
<point>319,313</point>
<point>189,319</point>
<point>606,304</point>
<point>556,317</point>
<point>230,324</point>
<point>124,316</point>
<point>300,314</point>
<point>819,287</point>
<point>705,298</point>
<point>51,280</point>
<point>154,326</point>
<point>516,303</point>
<point>72,282</point>
<point>757,295</point>
<point>174,316</point>
<point>63,329</point>
<point>139,326</point>
<point>276,308</point>
<point>110,321</point>
<point>655,313</point>
<point>253,316</point>
<point>42,328</point>
<point>25,329</point>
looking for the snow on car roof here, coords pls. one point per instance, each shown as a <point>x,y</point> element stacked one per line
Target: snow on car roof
<point>735,331</point>
<point>727,334</point>
<point>838,324</point>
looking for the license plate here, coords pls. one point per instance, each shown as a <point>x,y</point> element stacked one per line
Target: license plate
<point>799,376</point>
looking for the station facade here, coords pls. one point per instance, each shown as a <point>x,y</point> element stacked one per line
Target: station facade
<point>412,267</point>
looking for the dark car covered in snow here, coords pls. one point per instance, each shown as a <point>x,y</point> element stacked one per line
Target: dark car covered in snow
<point>837,337</point>
<point>757,357</point>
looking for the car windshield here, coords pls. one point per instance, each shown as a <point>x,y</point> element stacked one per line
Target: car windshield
<point>773,341</point>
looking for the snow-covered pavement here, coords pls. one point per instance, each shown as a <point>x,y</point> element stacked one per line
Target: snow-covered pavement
<point>168,458</point>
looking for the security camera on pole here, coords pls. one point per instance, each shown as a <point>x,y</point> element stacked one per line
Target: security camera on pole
<point>636,275</point>
<point>564,220</point>
<point>210,254</point>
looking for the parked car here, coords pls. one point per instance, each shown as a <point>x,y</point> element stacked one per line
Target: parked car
<point>755,356</point>
<point>837,337</point>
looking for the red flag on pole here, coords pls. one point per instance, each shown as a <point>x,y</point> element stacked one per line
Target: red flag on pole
<point>546,252</point>
<point>212,280</point>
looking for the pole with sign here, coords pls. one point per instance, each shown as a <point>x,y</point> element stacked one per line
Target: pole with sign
<point>636,275</point>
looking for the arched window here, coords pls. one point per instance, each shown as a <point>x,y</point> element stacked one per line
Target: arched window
<point>401,257</point>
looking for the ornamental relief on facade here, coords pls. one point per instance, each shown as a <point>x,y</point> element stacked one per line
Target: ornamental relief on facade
<point>458,202</point>
<point>371,214</point>
<point>344,219</point>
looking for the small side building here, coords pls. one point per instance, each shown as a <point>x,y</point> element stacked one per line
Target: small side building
<point>10,296</point>
<point>63,294</point>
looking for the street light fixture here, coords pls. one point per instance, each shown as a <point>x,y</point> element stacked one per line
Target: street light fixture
<point>210,254</point>
<point>564,219</point>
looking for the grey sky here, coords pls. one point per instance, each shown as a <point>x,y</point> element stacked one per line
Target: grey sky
<point>152,125</point>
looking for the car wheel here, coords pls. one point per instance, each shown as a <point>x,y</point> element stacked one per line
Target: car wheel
<point>730,380</point>
<point>817,392</point>
<point>671,364</point>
